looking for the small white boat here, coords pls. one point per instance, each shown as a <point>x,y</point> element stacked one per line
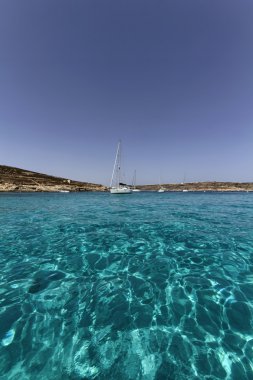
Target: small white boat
<point>185,191</point>
<point>63,191</point>
<point>162,189</point>
<point>116,186</point>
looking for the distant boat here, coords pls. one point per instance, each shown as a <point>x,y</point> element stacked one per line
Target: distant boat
<point>182,183</point>
<point>116,186</point>
<point>63,191</point>
<point>162,189</point>
<point>134,184</point>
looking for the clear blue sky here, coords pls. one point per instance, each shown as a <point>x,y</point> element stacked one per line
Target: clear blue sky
<point>173,79</point>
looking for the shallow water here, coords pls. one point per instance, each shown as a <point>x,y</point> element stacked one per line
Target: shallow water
<point>141,286</point>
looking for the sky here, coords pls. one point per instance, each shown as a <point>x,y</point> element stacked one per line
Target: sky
<point>173,79</point>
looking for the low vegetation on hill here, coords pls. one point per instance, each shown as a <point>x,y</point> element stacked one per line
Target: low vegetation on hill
<point>20,180</point>
<point>203,186</point>
<point>15,179</point>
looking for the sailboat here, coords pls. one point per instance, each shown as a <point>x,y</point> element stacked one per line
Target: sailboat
<point>182,183</point>
<point>116,186</point>
<point>162,189</point>
<point>134,184</point>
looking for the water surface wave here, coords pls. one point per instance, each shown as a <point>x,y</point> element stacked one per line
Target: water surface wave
<point>142,286</point>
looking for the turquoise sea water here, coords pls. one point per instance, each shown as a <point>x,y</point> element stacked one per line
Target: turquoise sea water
<point>141,286</point>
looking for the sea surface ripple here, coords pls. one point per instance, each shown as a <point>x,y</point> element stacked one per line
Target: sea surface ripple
<point>141,286</point>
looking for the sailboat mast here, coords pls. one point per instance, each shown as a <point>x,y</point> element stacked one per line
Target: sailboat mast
<point>116,165</point>
<point>134,179</point>
<point>119,165</point>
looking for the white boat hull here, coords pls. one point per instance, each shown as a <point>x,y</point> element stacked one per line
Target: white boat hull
<point>120,190</point>
<point>136,190</point>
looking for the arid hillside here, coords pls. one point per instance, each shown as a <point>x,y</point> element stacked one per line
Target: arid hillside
<point>202,186</point>
<point>15,179</point>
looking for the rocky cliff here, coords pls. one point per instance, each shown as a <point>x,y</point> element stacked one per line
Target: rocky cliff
<point>14,179</point>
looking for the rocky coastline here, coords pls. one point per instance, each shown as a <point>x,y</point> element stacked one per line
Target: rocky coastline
<point>20,180</point>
